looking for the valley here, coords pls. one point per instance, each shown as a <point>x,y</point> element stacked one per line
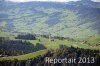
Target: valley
<point>31,31</point>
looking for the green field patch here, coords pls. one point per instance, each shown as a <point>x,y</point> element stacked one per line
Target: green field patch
<point>26,56</point>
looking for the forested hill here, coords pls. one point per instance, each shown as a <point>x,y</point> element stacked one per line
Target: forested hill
<point>79,19</point>
<point>64,52</point>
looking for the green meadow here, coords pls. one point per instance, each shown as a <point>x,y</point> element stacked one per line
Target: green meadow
<point>53,45</point>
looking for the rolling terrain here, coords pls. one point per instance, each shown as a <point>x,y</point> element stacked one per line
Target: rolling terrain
<point>72,19</point>
<point>53,29</point>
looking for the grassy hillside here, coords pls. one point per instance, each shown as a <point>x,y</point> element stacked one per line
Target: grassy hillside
<point>26,56</point>
<point>95,40</point>
<point>74,20</point>
<point>60,19</point>
<point>54,45</point>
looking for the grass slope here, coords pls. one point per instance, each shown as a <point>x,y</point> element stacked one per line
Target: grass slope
<point>56,43</point>
<point>25,57</point>
<point>52,45</point>
<point>59,21</point>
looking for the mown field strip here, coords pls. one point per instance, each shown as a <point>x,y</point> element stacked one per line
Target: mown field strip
<point>26,56</point>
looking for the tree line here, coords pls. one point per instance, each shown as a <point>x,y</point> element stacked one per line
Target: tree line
<point>17,47</point>
<point>26,37</point>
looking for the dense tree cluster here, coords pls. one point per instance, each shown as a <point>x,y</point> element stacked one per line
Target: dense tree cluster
<point>59,53</point>
<point>64,38</point>
<point>45,36</point>
<point>17,47</point>
<point>59,37</point>
<point>26,37</point>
